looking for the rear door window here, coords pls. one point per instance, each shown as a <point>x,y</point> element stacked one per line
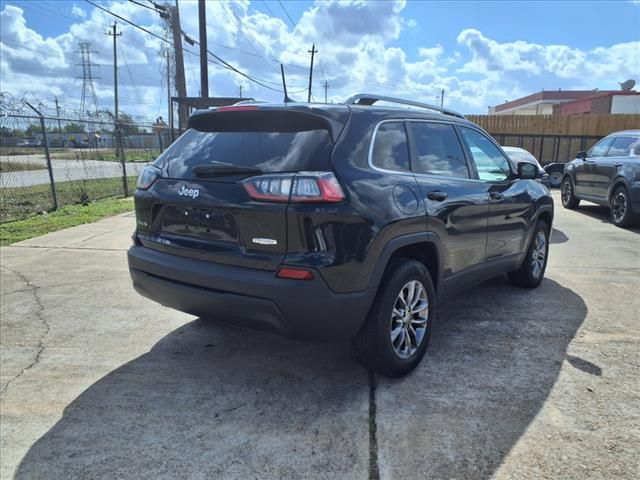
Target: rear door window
<point>438,150</point>
<point>623,146</point>
<point>390,150</point>
<point>269,151</point>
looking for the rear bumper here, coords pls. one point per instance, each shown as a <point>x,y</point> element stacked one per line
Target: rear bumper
<point>307,310</point>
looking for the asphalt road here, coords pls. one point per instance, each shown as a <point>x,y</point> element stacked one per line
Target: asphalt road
<point>65,170</point>
<point>97,382</point>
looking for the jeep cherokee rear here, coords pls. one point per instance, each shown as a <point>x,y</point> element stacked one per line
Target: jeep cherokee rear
<point>324,222</point>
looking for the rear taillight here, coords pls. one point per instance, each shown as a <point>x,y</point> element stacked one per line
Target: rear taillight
<point>298,187</point>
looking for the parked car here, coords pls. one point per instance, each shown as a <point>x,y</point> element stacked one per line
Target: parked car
<point>608,174</point>
<point>337,221</point>
<point>555,172</point>
<point>29,143</point>
<point>517,154</point>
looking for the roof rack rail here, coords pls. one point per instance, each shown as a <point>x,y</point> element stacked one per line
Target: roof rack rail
<point>370,99</point>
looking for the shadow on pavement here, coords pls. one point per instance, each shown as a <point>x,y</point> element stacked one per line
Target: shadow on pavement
<point>212,401</point>
<point>601,213</point>
<point>557,236</point>
<point>215,402</point>
<point>494,357</point>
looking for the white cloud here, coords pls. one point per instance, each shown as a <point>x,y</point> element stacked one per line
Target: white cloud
<point>563,61</point>
<point>360,49</point>
<point>78,12</point>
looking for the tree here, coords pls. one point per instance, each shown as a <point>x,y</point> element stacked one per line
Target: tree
<point>128,127</point>
<point>74,128</point>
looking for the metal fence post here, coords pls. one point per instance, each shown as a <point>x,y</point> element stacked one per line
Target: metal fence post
<point>120,141</point>
<point>47,155</point>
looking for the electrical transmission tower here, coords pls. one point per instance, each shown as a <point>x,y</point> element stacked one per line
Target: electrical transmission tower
<point>88,95</point>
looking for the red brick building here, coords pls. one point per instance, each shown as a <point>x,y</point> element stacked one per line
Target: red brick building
<point>603,102</point>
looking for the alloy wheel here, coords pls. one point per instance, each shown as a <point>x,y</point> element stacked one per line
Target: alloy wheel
<point>566,192</point>
<point>409,319</point>
<point>539,254</point>
<point>619,206</point>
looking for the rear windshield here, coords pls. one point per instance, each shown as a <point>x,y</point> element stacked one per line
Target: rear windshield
<point>268,151</point>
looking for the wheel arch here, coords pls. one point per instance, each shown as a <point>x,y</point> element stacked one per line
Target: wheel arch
<point>617,182</point>
<point>423,247</point>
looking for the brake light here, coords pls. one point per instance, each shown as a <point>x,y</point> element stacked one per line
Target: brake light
<point>236,109</point>
<point>300,187</point>
<point>295,273</point>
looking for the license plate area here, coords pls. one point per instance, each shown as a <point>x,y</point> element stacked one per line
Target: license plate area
<point>200,222</point>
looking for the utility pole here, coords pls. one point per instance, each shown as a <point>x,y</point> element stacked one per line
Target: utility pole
<point>169,105</point>
<point>240,91</point>
<point>204,74</point>
<point>181,85</point>
<point>326,86</point>
<point>58,115</point>
<point>442,98</point>
<point>119,140</point>
<point>313,51</point>
<point>115,35</point>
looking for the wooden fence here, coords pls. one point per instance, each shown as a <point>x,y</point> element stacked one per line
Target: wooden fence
<point>598,125</point>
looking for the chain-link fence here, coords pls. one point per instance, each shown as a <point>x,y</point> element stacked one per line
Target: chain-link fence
<point>48,162</point>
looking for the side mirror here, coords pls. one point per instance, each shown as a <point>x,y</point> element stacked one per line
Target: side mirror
<point>581,155</point>
<point>527,171</point>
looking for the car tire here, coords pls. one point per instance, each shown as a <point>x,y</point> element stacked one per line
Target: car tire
<point>567,194</point>
<point>531,272</point>
<point>622,214</point>
<point>555,179</point>
<point>392,340</point>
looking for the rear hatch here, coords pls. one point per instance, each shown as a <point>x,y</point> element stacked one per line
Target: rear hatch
<point>226,182</point>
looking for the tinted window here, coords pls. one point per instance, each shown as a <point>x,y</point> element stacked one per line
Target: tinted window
<point>600,148</point>
<point>623,146</point>
<point>438,150</point>
<point>491,164</point>
<point>269,151</point>
<point>390,149</point>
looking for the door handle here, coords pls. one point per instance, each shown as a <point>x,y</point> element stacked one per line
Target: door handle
<point>496,195</point>
<point>618,164</point>
<point>437,195</point>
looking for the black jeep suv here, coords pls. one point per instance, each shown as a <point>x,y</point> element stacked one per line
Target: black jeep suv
<point>340,221</point>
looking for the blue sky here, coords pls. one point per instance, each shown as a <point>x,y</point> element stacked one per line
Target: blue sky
<point>481,53</point>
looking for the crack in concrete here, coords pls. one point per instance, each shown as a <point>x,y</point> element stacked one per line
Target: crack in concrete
<point>40,346</point>
<point>374,468</point>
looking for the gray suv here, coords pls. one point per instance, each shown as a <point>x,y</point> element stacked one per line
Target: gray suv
<point>609,175</point>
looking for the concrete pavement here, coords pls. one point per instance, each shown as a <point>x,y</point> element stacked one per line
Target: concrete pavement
<point>98,382</point>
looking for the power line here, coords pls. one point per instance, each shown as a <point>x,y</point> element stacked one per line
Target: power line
<point>126,64</point>
<point>293,24</point>
<point>143,5</point>
<point>216,57</point>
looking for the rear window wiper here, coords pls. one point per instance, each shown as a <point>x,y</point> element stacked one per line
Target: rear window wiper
<point>223,169</point>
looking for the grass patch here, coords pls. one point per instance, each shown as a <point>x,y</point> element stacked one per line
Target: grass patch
<point>65,217</point>
<point>18,202</point>
<point>9,166</point>
<point>136,156</point>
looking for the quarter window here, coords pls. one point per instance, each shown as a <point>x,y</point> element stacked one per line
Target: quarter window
<point>491,164</point>
<point>438,151</point>
<point>600,148</point>
<point>390,150</point>
<point>623,147</point>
